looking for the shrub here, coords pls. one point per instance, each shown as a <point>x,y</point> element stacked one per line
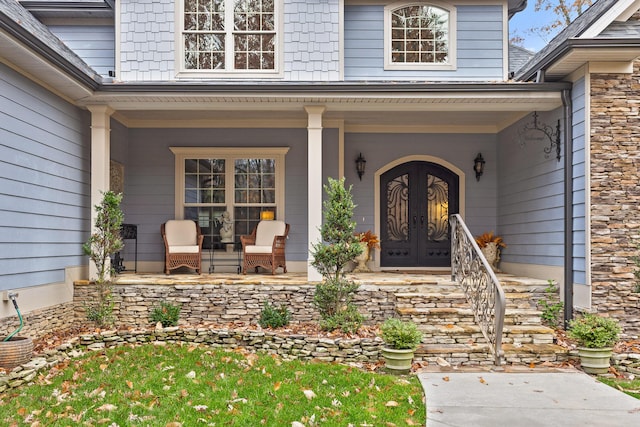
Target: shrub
<point>339,245</point>
<point>400,335</point>
<point>593,331</point>
<point>103,242</point>
<point>166,313</point>
<point>551,306</point>
<point>274,317</point>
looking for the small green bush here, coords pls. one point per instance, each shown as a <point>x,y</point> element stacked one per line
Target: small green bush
<point>593,331</point>
<point>166,313</point>
<point>551,306</point>
<point>274,317</point>
<point>347,320</point>
<point>400,335</point>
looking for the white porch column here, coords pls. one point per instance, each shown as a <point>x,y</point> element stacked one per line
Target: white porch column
<point>314,177</point>
<point>100,161</point>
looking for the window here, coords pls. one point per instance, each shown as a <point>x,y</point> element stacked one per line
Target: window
<point>211,181</point>
<point>419,36</point>
<point>221,36</point>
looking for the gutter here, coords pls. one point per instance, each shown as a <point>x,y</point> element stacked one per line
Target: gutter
<point>567,103</point>
<point>569,44</point>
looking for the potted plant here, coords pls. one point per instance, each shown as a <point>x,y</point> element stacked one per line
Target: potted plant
<point>401,340</point>
<point>596,336</point>
<point>490,245</point>
<point>368,242</point>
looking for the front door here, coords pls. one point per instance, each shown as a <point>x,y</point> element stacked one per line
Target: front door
<point>416,201</point>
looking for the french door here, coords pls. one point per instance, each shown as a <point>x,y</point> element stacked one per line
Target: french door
<point>416,201</point>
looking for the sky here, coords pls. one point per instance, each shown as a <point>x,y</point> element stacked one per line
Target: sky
<point>526,19</point>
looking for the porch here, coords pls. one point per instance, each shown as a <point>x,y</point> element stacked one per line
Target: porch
<point>427,298</point>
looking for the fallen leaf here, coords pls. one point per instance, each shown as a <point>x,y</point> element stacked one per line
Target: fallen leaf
<point>276,386</point>
<point>391,403</point>
<point>103,366</point>
<point>309,394</point>
<point>191,375</point>
<point>107,407</point>
<point>410,422</point>
<point>445,379</point>
<point>532,365</point>
<point>297,424</point>
<point>482,381</point>
<point>129,384</point>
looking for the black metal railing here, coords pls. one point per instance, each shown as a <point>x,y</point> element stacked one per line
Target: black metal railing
<point>470,269</point>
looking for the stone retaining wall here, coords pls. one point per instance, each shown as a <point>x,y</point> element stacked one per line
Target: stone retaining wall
<point>41,322</point>
<point>615,195</point>
<point>231,303</point>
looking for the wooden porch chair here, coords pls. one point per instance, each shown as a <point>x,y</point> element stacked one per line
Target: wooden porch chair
<point>182,244</point>
<point>265,246</point>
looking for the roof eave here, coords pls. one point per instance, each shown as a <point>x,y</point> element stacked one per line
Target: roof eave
<point>563,49</point>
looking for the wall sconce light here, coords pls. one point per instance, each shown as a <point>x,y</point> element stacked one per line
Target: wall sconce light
<point>360,164</point>
<point>478,166</point>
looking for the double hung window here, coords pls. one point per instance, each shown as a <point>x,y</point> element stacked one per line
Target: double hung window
<point>210,182</point>
<point>230,36</point>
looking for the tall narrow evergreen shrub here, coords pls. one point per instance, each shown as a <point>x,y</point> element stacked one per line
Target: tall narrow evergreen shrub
<point>333,297</point>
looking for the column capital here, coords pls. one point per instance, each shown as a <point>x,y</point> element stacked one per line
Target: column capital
<point>314,113</point>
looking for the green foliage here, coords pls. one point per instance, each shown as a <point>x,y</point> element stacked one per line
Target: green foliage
<point>165,313</point>
<point>551,306</point>
<point>202,386</point>
<point>105,239</point>
<point>274,317</point>
<point>103,242</point>
<point>339,245</point>
<point>400,335</point>
<point>593,331</point>
<point>333,297</point>
<point>348,320</point>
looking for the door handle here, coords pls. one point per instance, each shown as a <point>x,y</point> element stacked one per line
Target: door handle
<point>422,220</point>
<point>415,220</point>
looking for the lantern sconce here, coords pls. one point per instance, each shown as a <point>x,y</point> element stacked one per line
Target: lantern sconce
<point>360,165</point>
<point>478,166</point>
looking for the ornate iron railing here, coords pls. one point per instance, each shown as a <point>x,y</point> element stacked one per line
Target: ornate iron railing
<point>471,270</point>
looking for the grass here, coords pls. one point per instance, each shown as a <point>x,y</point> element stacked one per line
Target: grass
<point>630,387</point>
<point>180,385</point>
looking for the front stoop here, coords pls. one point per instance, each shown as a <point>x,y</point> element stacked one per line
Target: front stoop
<point>450,332</point>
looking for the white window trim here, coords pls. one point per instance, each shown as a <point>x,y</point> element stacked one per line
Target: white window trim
<point>229,153</point>
<point>451,65</point>
<point>183,73</point>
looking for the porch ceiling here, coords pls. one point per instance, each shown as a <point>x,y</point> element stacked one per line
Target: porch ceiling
<point>459,111</point>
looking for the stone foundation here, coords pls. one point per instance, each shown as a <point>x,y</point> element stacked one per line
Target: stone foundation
<point>41,322</point>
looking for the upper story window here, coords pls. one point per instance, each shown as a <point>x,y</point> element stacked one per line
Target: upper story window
<point>234,36</point>
<point>419,36</point>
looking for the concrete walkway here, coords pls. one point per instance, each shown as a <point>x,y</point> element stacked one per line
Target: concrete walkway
<point>525,399</point>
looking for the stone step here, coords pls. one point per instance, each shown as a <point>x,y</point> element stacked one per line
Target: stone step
<point>470,333</point>
<point>427,315</point>
<point>457,298</point>
<point>479,354</point>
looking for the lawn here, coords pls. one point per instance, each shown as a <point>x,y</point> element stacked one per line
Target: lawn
<point>628,386</point>
<point>181,385</point>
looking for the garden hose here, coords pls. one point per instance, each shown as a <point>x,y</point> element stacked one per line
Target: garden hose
<point>12,297</point>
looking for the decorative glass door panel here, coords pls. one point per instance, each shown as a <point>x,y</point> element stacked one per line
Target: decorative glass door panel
<point>417,199</point>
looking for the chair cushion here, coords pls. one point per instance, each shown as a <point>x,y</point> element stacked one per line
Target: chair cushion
<point>256,249</point>
<point>191,249</point>
<point>267,230</point>
<point>181,232</point>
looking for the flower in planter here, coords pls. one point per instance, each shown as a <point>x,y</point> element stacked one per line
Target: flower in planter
<point>370,239</point>
<point>484,239</point>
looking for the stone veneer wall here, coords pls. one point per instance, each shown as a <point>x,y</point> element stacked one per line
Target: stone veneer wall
<point>615,195</point>
<point>218,303</point>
